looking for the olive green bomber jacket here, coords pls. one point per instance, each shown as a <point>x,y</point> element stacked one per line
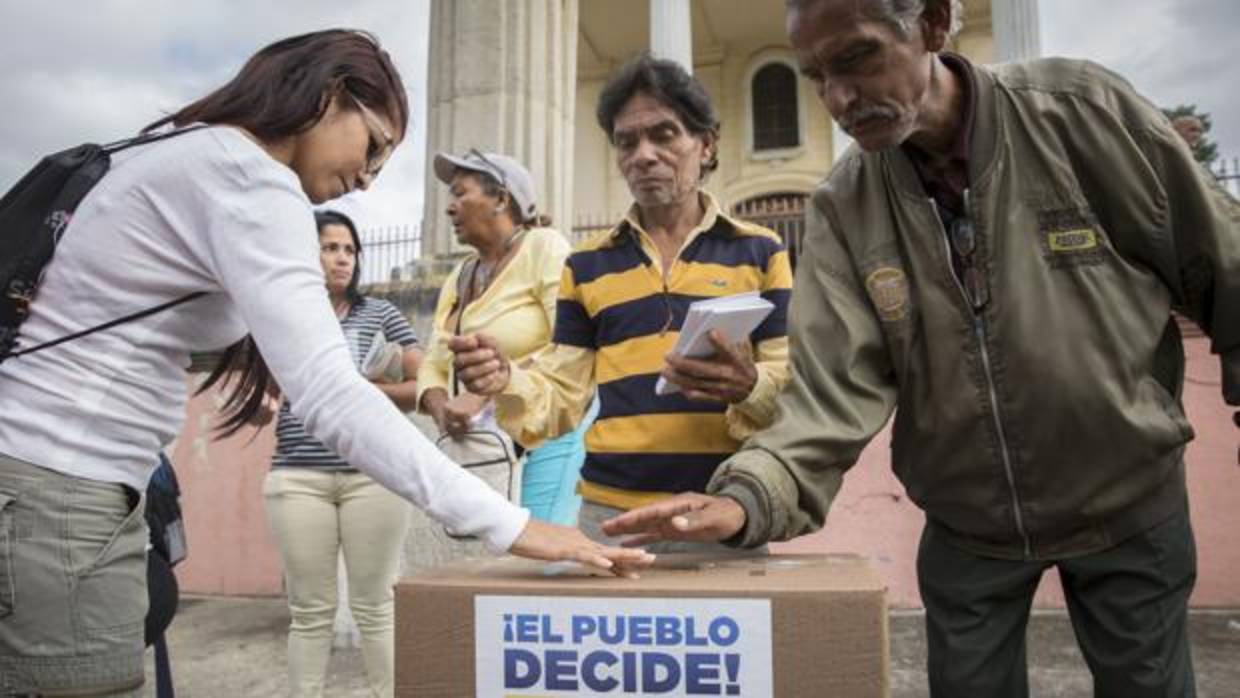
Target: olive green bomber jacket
<point>1049,423</point>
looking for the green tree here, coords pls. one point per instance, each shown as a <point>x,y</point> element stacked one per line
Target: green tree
<point>1206,150</point>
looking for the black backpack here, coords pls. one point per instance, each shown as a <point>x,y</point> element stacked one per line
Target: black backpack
<point>33,217</point>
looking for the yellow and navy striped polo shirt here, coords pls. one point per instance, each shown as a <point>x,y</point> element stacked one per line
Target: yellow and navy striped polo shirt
<point>614,301</point>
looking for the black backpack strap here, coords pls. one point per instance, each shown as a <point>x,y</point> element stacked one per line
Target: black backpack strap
<point>144,138</point>
<point>107,325</point>
<point>163,670</point>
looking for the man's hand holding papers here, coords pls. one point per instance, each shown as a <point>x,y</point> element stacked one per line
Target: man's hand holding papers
<point>728,375</point>
<point>713,358</point>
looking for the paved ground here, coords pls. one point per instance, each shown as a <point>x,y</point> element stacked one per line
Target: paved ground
<point>234,648</point>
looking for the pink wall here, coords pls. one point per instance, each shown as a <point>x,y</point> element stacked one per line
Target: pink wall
<point>230,550</point>
<point>230,547</point>
<point>873,517</point>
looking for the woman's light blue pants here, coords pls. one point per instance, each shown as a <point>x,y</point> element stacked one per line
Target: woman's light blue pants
<point>551,471</point>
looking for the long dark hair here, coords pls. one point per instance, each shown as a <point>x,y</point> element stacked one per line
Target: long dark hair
<point>322,219</point>
<point>283,90</point>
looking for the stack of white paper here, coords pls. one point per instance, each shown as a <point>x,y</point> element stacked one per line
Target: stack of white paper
<point>384,361</point>
<point>734,316</point>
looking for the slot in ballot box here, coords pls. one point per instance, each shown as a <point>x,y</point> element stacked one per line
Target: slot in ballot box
<point>783,626</point>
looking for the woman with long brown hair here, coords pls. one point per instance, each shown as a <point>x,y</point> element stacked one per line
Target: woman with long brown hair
<point>225,211</point>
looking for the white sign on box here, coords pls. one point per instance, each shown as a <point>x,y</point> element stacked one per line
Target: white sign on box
<point>734,316</point>
<point>586,646</point>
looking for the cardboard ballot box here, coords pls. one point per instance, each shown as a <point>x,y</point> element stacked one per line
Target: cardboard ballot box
<point>783,626</point>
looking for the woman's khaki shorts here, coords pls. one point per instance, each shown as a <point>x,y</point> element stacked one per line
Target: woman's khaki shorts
<point>72,584</point>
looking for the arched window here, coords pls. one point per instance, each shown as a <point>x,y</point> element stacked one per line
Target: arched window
<point>774,96</point>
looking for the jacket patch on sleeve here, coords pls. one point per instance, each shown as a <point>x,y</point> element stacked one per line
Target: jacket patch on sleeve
<point>888,289</point>
<point>1071,238</point>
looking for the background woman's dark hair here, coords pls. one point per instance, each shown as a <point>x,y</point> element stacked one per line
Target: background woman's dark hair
<point>492,187</point>
<point>669,83</point>
<point>281,92</point>
<point>322,219</point>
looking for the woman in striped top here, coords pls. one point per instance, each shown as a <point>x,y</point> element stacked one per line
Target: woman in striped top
<point>319,505</point>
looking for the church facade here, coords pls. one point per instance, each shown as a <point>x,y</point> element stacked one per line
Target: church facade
<point>534,97</point>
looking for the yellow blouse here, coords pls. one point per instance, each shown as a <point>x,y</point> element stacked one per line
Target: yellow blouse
<point>517,309</point>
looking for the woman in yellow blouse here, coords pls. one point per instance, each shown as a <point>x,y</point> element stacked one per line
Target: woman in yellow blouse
<point>506,289</point>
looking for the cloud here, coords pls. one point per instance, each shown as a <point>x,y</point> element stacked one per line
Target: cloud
<point>1173,51</point>
<point>99,71</point>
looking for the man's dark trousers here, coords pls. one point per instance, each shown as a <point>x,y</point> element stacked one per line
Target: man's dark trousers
<point>1128,605</point>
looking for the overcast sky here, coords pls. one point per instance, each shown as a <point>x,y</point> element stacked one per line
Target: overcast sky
<point>1173,51</point>
<point>99,70</point>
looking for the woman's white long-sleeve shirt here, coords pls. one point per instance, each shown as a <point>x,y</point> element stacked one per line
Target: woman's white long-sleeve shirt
<point>206,211</point>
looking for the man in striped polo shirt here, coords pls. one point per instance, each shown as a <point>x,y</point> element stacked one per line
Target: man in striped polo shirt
<point>623,297</point>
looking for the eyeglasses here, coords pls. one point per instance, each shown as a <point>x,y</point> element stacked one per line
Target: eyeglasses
<point>962,235</point>
<point>381,146</point>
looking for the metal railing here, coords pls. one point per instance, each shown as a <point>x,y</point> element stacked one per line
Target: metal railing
<point>782,212</point>
<point>389,251</point>
<point>588,225</point>
<point>1227,172</point>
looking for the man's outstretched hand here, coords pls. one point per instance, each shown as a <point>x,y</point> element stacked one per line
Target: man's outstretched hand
<point>690,516</point>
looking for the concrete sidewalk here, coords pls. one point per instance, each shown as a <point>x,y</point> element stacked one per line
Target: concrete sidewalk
<point>234,648</point>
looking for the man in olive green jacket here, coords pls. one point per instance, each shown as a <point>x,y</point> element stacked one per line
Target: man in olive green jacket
<point>997,263</point>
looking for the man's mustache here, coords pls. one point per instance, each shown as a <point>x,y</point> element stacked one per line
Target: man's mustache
<point>865,113</point>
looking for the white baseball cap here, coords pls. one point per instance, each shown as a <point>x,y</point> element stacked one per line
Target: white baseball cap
<point>510,174</point>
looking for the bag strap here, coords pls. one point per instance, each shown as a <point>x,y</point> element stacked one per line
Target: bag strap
<point>109,149</point>
<point>144,138</point>
<point>107,325</point>
<point>163,670</point>
<point>464,296</point>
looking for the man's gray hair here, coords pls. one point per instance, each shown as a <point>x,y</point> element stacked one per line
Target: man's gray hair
<point>901,14</point>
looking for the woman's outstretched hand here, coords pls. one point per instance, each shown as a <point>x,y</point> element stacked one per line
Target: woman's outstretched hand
<point>546,541</point>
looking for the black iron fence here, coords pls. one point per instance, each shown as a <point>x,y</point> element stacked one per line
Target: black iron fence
<point>588,225</point>
<point>1227,172</point>
<point>388,252</point>
<point>782,212</point>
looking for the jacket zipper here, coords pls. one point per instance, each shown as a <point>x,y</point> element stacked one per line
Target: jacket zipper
<point>979,332</point>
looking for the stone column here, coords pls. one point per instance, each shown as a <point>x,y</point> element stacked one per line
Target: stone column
<point>671,31</point>
<point>502,78</point>
<point>1015,24</point>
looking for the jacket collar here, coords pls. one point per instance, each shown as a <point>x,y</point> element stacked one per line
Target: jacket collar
<point>982,144</point>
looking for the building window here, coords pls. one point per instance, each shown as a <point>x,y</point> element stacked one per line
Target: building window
<point>775,120</point>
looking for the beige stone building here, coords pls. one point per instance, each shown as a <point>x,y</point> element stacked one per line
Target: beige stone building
<point>523,76</point>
